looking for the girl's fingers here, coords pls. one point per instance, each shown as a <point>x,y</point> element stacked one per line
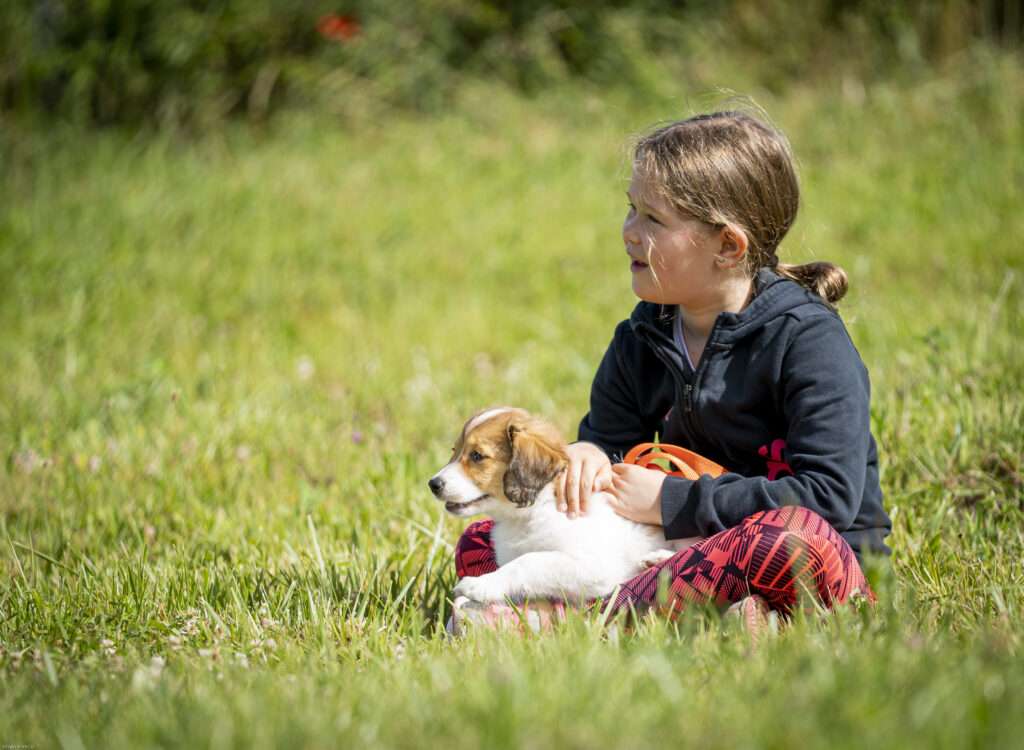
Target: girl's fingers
<point>586,484</point>
<point>572,490</point>
<point>619,507</point>
<point>560,490</point>
<point>603,478</point>
<point>566,489</point>
<point>580,479</point>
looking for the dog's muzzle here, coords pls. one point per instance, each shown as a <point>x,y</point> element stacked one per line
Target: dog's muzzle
<point>464,509</point>
<point>437,486</point>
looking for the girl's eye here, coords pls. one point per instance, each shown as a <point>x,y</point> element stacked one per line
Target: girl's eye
<point>632,210</point>
<point>476,457</point>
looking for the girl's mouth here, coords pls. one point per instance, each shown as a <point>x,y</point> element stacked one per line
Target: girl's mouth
<point>637,266</point>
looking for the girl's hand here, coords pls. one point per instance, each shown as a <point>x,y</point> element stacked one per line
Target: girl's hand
<point>635,493</point>
<point>588,465</point>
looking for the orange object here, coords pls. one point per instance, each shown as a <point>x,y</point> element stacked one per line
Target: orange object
<point>685,463</point>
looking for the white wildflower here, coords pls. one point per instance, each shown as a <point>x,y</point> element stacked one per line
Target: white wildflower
<point>305,369</point>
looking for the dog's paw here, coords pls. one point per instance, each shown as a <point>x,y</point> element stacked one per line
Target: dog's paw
<point>480,589</point>
<point>655,558</point>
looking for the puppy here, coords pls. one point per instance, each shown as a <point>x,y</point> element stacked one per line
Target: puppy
<point>503,465</point>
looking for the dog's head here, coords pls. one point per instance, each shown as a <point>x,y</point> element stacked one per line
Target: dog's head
<point>502,459</point>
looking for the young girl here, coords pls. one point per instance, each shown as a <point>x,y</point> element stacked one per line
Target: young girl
<point>742,359</point>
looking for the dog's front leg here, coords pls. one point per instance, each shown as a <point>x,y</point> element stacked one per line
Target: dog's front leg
<point>535,575</point>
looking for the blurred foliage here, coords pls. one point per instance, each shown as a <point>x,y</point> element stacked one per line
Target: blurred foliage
<point>174,62</point>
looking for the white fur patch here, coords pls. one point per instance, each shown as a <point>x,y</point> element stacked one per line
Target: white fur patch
<point>458,488</point>
<point>479,419</point>
<point>543,554</point>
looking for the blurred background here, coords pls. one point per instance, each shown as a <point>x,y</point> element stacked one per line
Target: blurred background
<point>193,63</point>
<point>367,219</point>
<point>363,220</point>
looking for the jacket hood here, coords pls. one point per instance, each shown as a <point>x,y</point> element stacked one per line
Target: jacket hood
<point>773,296</point>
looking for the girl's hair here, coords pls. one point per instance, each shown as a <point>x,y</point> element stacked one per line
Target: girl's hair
<point>733,168</point>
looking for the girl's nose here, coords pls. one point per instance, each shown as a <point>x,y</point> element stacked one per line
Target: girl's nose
<point>629,234</point>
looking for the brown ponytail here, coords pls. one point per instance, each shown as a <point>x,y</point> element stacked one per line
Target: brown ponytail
<point>825,279</point>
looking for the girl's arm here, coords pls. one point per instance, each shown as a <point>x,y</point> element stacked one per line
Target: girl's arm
<point>616,421</point>
<point>825,393</point>
<point>613,425</point>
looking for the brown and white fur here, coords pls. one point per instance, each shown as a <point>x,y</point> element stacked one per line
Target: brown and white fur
<point>503,465</point>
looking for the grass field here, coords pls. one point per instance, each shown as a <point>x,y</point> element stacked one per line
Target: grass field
<point>230,366</point>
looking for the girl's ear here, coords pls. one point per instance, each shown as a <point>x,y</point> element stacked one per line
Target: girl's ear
<point>538,455</point>
<point>732,248</point>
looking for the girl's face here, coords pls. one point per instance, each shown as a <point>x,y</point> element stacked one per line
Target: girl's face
<point>672,256</point>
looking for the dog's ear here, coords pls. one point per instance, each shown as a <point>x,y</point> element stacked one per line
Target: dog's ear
<point>538,456</point>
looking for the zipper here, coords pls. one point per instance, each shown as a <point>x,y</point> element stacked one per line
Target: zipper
<point>690,385</point>
<point>661,345</point>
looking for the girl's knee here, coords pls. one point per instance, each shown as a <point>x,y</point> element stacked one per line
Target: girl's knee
<point>799,560</point>
<point>789,517</point>
<point>478,529</point>
<point>474,552</point>
<point>819,552</point>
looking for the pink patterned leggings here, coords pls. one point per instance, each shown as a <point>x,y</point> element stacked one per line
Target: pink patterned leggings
<point>774,554</point>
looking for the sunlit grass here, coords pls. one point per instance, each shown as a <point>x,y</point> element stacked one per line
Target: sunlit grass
<point>229,368</point>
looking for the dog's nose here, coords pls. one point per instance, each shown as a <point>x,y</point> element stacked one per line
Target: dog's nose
<point>436,485</point>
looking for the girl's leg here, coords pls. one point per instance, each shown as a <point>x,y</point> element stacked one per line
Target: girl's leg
<point>474,552</point>
<point>474,556</point>
<point>774,554</point>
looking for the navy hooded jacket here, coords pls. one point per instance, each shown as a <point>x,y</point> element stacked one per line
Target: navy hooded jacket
<point>780,397</point>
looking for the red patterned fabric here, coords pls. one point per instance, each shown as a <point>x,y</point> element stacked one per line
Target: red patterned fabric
<point>775,554</point>
<point>474,554</point>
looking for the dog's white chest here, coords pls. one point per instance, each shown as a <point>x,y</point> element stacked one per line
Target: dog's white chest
<point>600,543</point>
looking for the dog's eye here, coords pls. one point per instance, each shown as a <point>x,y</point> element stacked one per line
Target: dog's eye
<point>476,456</point>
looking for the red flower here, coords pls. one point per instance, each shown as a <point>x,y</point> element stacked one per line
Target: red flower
<point>338,28</point>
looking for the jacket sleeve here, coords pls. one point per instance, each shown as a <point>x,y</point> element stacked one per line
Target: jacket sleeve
<point>615,422</point>
<point>825,400</point>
